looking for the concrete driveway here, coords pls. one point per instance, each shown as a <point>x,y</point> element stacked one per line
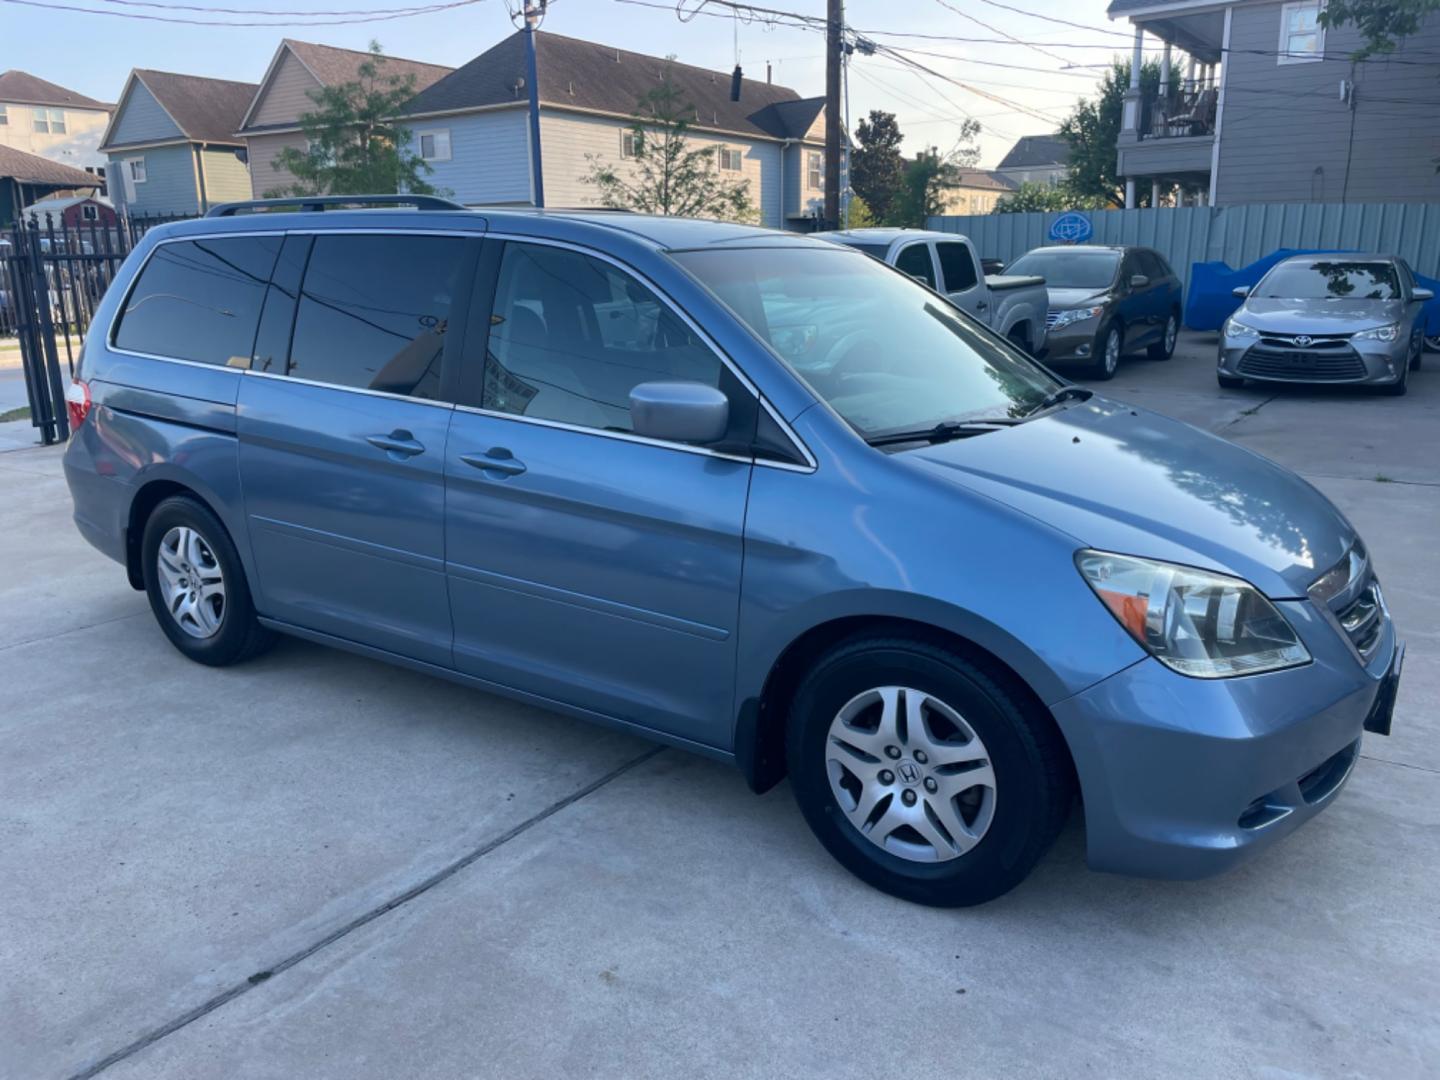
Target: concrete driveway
<point>318,866</point>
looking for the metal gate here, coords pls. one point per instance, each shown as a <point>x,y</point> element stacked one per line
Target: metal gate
<point>51,281</point>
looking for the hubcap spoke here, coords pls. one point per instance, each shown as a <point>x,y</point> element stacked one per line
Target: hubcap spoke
<point>191,582</point>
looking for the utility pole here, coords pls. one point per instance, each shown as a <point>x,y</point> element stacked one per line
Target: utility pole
<point>533,14</point>
<point>834,21</point>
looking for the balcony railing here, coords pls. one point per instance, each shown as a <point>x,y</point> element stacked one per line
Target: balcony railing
<point>1185,110</point>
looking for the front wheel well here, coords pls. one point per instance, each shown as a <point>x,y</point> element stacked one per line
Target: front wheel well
<point>761,728</point>
<point>141,507</point>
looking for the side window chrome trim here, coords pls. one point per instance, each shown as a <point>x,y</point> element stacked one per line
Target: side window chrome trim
<point>432,402</point>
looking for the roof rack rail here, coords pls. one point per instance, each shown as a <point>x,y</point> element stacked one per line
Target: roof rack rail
<point>317,203</point>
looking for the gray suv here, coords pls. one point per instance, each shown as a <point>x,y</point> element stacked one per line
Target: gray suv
<point>753,495</point>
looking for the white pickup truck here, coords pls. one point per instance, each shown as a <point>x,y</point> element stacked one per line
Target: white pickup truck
<point>1015,307</point>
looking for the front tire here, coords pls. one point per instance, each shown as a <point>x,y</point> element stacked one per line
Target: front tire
<point>1108,345</point>
<point>1165,347</point>
<point>196,585</point>
<point>922,774</point>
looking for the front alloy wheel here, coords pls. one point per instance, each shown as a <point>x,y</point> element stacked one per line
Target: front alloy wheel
<point>910,774</point>
<point>1107,353</point>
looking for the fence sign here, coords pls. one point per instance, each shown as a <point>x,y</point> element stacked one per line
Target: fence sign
<point>1071,228</point>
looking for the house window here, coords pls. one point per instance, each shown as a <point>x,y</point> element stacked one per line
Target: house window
<point>50,121</point>
<point>136,168</point>
<point>630,144</point>
<point>4,115</point>
<point>815,169</point>
<point>435,145</point>
<point>731,160</point>
<point>1302,38</point>
<point>89,212</point>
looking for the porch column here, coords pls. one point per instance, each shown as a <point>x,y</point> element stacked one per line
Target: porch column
<point>1154,194</point>
<point>1165,71</point>
<point>1130,193</point>
<point>1130,115</point>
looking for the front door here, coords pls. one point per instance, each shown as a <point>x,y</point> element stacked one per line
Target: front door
<point>342,449</point>
<point>587,565</point>
<point>961,280</point>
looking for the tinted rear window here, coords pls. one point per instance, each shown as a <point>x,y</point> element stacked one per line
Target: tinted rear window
<point>199,300</point>
<point>373,312</point>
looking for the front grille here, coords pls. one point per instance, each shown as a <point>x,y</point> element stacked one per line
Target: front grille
<point>1321,360</point>
<point>1363,618</point>
<point>1051,318</point>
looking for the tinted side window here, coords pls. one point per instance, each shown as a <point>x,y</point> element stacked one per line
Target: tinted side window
<point>572,335</point>
<point>915,261</point>
<point>1151,265</point>
<point>956,266</point>
<point>373,312</point>
<point>199,300</point>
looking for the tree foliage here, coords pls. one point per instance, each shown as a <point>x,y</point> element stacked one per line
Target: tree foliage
<point>860,216</point>
<point>930,174</point>
<point>666,174</point>
<point>357,146</point>
<point>1092,131</point>
<point>1383,24</point>
<point>877,168</point>
<point>1032,197</point>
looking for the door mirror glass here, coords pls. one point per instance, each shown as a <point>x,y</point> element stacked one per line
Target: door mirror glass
<point>688,412</point>
<point>1138,281</point>
<point>1241,291</point>
<point>1421,294</point>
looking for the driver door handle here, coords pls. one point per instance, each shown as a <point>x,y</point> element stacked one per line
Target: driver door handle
<point>399,442</point>
<point>495,460</point>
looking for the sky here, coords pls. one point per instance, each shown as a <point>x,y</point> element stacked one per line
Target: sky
<point>1011,89</point>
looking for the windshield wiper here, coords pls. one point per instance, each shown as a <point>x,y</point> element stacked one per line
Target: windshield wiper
<point>1065,393</point>
<point>945,431</point>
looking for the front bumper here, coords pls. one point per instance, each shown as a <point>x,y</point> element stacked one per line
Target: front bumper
<point>1075,342</point>
<point>1184,778</point>
<point>1273,359</point>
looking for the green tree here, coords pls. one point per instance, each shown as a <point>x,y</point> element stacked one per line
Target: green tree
<point>1092,131</point>
<point>877,168</point>
<point>860,215</point>
<point>1032,197</point>
<point>664,173</point>
<point>357,146</point>
<point>930,174</point>
<point>1382,23</point>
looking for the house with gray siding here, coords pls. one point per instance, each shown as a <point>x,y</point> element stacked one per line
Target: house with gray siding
<point>171,144</point>
<point>298,71</point>
<point>1259,103</point>
<point>472,127</point>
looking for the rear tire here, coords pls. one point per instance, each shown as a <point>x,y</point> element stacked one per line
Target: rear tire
<point>196,585</point>
<point>1165,347</point>
<point>999,797</point>
<point>1109,343</point>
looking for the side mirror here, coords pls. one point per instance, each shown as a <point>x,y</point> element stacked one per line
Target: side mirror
<point>1240,291</point>
<point>689,412</point>
<point>1138,281</point>
<point>1423,295</point>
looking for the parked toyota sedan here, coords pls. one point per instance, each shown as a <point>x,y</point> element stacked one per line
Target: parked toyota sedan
<point>1105,303</point>
<point>1340,318</point>
<point>753,495</point>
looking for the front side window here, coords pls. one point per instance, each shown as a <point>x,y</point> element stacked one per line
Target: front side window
<point>915,261</point>
<point>4,115</point>
<point>1330,279</point>
<point>885,353</point>
<point>1302,38</point>
<point>1073,268</point>
<point>956,266</point>
<point>572,335</point>
<point>815,169</point>
<point>199,300</point>
<point>374,310</point>
<point>435,145</point>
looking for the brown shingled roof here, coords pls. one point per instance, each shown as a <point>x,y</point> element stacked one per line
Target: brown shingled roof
<point>33,169</point>
<point>331,65</point>
<point>206,110</point>
<point>22,88</point>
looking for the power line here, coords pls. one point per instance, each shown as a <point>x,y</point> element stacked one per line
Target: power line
<point>399,14</point>
<point>417,8</point>
<point>996,30</point>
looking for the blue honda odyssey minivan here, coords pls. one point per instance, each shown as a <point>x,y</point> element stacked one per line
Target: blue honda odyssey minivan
<point>747,493</point>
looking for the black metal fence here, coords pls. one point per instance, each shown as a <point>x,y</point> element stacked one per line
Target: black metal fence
<point>52,278</point>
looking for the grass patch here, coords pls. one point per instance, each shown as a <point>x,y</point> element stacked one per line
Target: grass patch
<point>1381,478</point>
<point>22,413</point>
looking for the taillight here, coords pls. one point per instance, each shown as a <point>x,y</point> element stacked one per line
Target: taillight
<point>77,402</point>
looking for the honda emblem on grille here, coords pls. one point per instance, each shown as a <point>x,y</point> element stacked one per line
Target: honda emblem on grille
<point>1303,340</point>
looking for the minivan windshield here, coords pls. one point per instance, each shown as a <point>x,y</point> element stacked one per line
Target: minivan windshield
<point>1330,279</point>
<point>1073,269</point>
<point>886,353</point>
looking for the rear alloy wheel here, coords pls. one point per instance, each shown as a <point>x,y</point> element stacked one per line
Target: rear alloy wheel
<point>1165,347</point>
<point>922,774</point>
<point>1108,344</point>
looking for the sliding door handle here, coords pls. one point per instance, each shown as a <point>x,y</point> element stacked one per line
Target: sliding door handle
<point>495,460</point>
<point>398,443</point>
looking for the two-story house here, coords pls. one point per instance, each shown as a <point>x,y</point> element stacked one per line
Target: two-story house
<point>1036,159</point>
<point>49,121</point>
<point>472,126</point>
<point>298,70</point>
<point>172,143</point>
<point>1259,103</point>
<point>975,191</point>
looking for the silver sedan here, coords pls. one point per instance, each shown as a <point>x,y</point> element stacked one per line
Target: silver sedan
<point>1341,318</point>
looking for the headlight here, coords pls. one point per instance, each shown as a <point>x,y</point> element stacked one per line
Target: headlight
<point>1071,316</point>
<point>1208,626</point>
<point>1234,328</point>
<point>1380,333</point>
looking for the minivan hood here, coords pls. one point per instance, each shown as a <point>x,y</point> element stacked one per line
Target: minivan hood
<point>1060,299</point>
<point>1318,316</point>
<point>1124,479</point>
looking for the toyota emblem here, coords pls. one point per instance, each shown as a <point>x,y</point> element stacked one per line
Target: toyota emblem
<point>1303,340</point>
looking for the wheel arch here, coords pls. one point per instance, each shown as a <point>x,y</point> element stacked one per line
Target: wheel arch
<point>154,488</point>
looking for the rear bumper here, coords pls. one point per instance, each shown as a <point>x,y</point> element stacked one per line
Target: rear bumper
<point>1185,778</point>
